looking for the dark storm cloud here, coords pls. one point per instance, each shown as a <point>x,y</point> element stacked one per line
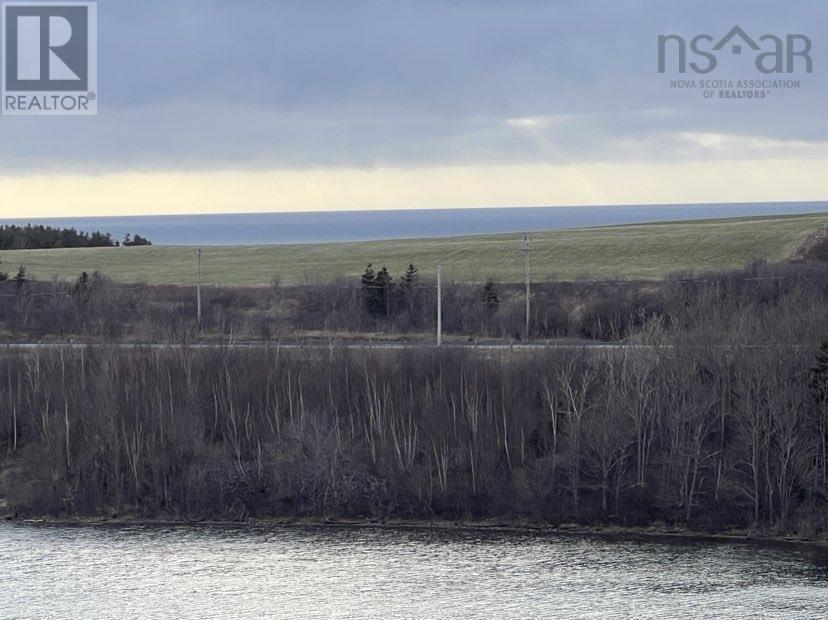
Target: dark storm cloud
<point>195,84</point>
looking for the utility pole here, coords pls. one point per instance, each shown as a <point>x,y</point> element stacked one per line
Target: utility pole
<point>439,306</point>
<point>199,253</point>
<point>527,247</point>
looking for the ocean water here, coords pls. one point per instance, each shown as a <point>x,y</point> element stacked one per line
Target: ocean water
<point>318,227</point>
<point>258,571</point>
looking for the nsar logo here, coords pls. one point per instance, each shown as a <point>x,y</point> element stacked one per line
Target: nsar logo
<point>772,53</point>
<point>49,58</point>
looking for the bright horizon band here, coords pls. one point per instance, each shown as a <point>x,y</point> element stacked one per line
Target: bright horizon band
<point>335,189</point>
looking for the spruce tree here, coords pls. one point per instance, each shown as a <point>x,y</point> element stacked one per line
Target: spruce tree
<point>368,276</point>
<point>369,289</point>
<point>408,285</point>
<point>384,286</point>
<point>20,278</point>
<point>488,295</point>
<point>411,276</point>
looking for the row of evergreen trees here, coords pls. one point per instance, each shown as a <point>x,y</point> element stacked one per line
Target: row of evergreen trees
<point>39,237</point>
<point>384,297</point>
<point>20,279</point>
<point>134,240</point>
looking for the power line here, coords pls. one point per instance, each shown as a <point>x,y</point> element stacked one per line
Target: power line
<point>527,248</point>
<point>199,253</point>
<point>439,305</point>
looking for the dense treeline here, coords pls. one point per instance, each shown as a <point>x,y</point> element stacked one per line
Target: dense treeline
<point>711,436</point>
<point>130,240</point>
<point>719,421</point>
<point>95,307</point>
<point>39,237</point>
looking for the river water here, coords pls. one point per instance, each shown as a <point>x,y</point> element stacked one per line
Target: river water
<point>336,572</point>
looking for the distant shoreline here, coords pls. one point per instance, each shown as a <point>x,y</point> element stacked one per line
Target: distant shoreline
<point>662,533</point>
<point>283,228</point>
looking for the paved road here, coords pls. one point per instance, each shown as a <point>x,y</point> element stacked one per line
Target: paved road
<point>487,345</point>
<point>393,345</point>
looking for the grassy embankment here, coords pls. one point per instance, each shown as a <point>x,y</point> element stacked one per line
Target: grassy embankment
<point>632,251</point>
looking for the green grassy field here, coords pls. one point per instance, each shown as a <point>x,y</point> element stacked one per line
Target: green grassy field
<point>630,251</point>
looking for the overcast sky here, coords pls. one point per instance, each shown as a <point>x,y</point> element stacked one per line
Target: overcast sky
<point>274,105</point>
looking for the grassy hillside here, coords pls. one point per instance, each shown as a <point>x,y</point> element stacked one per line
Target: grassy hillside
<point>632,251</point>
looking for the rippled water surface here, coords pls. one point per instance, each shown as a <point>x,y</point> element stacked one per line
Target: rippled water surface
<point>253,572</point>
